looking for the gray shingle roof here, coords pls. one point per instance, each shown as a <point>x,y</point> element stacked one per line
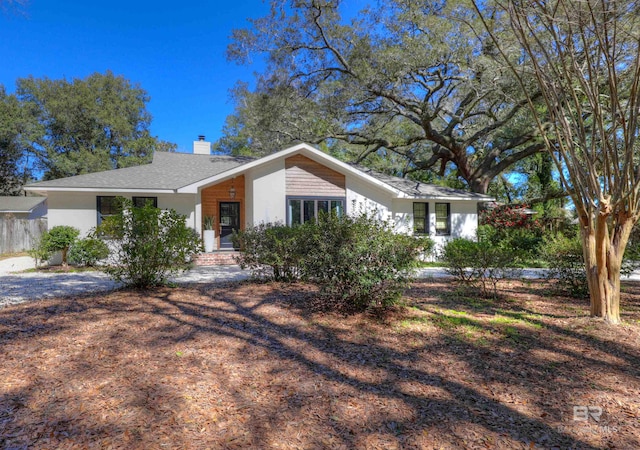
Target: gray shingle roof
<point>167,171</point>
<point>19,204</point>
<point>422,190</point>
<point>172,171</point>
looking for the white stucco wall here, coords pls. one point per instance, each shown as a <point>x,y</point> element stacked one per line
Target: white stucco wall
<point>266,193</point>
<point>79,209</point>
<point>464,219</point>
<point>361,195</point>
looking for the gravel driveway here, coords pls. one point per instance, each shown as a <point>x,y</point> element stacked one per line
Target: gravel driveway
<point>26,286</point>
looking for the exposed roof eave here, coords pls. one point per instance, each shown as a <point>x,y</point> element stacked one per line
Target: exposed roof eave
<point>88,189</point>
<point>448,198</point>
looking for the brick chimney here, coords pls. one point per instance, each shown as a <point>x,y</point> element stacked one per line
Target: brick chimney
<point>201,147</point>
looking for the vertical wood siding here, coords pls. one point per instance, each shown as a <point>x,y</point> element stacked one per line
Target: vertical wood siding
<point>211,197</point>
<point>305,177</point>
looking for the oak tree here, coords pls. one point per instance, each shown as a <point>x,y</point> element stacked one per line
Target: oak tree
<point>87,125</point>
<point>403,78</point>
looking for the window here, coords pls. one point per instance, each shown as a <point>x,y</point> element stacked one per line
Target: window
<point>107,206</point>
<point>443,218</point>
<point>139,202</point>
<point>420,218</point>
<point>301,210</point>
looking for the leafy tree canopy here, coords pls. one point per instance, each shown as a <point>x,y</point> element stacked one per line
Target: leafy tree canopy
<point>408,78</point>
<point>85,125</point>
<point>14,164</point>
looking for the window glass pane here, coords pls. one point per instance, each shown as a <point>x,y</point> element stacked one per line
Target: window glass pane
<point>323,205</point>
<point>337,208</point>
<point>420,219</point>
<point>309,210</point>
<point>107,206</point>
<point>442,218</point>
<point>140,202</point>
<point>294,212</point>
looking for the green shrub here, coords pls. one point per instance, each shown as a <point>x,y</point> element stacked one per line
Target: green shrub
<point>148,244</point>
<point>479,264</point>
<point>60,238</point>
<point>566,263</point>
<point>524,243</point>
<point>270,251</point>
<point>631,260</point>
<point>40,252</point>
<point>88,251</point>
<point>358,261</point>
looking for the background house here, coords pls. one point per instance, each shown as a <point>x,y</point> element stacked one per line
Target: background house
<point>290,186</point>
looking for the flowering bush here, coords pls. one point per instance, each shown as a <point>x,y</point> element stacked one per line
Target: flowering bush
<point>509,216</point>
<point>512,228</point>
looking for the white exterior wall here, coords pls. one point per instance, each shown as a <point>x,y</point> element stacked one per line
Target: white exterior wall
<point>265,193</point>
<point>79,209</point>
<point>464,219</point>
<point>403,215</point>
<point>365,196</point>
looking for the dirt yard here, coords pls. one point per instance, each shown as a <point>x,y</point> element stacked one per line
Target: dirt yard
<point>255,366</point>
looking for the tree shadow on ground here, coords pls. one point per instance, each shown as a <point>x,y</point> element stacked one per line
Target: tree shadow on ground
<point>240,365</point>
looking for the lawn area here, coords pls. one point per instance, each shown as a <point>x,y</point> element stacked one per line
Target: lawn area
<point>254,365</point>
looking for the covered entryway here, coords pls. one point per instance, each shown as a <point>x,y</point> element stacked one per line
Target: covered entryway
<point>224,203</point>
<point>229,223</point>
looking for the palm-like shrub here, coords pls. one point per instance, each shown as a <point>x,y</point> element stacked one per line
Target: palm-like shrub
<point>60,238</point>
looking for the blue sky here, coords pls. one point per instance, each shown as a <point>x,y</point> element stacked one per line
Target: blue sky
<point>173,50</point>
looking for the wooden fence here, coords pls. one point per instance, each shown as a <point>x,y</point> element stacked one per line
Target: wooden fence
<point>18,235</point>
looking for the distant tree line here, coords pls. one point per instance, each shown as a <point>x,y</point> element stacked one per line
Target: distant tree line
<point>60,128</point>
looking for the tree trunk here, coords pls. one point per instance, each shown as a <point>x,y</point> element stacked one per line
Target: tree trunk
<point>603,259</point>
<point>479,185</point>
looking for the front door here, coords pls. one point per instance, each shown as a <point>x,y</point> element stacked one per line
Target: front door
<point>229,221</point>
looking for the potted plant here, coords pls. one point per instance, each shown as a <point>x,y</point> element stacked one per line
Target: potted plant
<point>209,233</point>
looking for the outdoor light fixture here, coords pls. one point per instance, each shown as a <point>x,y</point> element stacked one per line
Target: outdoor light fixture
<point>232,190</point>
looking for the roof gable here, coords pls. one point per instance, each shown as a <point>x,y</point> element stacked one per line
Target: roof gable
<point>303,149</point>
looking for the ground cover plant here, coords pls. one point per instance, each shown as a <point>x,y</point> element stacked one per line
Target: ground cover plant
<point>256,366</point>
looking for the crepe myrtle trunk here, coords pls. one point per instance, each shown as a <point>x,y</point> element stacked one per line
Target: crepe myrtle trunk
<point>603,252</point>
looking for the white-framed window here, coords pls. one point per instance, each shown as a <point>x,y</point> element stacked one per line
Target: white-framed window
<point>303,209</point>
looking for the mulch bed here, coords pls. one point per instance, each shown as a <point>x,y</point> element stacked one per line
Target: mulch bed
<point>256,365</point>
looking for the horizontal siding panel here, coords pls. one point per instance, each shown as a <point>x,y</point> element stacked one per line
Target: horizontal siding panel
<point>305,177</point>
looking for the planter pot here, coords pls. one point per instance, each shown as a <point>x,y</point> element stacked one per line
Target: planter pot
<point>209,240</point>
